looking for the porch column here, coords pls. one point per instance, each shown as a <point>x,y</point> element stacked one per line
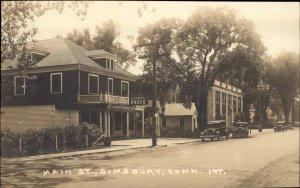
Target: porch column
<point>196,122</point>
<point>214,104</point>
<point>193,123</point>
<point>158,126</point>
<point>127,124</point>
<point>100,121</point>
<point>226,112</point>
<point>221,102</point>
<point>134,122</point>
<point>143,125</point>
<point>108,123</point>
<point>105,124</point>
<point>242,103</point>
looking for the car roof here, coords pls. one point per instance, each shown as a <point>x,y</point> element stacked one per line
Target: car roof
<point>241,122</point>
<point>281,121</point>
<point>216,121</point>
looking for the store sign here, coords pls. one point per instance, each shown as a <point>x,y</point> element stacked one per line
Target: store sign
<point>138,100</point>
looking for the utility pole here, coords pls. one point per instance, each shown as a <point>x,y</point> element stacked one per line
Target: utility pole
<point>154,139</point>
<point>154,56</point>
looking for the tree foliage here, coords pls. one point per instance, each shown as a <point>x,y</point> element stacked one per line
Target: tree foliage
<point>212,42</point>
<point>155,43</point>
<point>17,20</point>
<point>106,38</point>
<point>283,75</point>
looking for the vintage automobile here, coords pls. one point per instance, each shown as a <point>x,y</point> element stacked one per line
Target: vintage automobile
<point>240,129</point>
<point>280,126</point>
<point>215,130</point>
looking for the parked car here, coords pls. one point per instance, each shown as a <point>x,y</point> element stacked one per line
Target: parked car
<point>280,126</point>
<point>215,129</point>
<point>240,129</point>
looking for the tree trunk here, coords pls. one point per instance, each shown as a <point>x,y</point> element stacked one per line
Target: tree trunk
<point>202,110</point>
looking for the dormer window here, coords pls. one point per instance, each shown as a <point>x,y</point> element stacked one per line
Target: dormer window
<point>37,53</point>
<point>109,63</point>
<point>36,56</point>
<point>102,57</point>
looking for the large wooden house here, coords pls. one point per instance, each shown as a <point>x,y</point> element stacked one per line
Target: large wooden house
<point>71,86</point>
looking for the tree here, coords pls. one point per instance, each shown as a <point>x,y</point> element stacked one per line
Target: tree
<point>210,43</point>
<point>154,42</point>
<point>16,31</point>
<point>106,39</point>
<point>83,39</point>
<point>283,75</point>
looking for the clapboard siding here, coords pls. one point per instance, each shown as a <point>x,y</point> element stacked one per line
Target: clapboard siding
<point>103,84</point>
<point>20,118</point>
<point>38,90</point>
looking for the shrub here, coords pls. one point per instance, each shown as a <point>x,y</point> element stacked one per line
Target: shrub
<point>175,132</point>
<point>37,141</point>
<point>33,140</point>
<point>9,142</point>
<point>73,136</point>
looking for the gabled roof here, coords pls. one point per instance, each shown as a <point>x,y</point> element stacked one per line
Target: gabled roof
<point>65,52</point>
<point>177,109</point>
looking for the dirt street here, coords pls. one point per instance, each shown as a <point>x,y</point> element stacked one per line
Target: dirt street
<point>270,159</point>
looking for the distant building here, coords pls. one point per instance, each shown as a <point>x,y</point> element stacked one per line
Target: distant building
<point>224,101</point>
<point>177,116</point>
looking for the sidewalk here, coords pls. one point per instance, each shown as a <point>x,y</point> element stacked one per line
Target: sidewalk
<point>117,145</point>
<point>120,145</point>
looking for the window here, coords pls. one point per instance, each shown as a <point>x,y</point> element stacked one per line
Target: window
<point>89,116</point>
<point>37,57</point>
<point>93,85</point>
<point>110,85</point>
<point>229,103</point>
<point>164,122</point>
<point>19,83</point>
<point>124,88</point>
<point>56,83</point>
<point>109,63</point>
<point>84,116</point>
<point>218,104</point>
<point>239,104</point>
<point>181,122</point>
<point>234,104</point>
<point>223,103</point>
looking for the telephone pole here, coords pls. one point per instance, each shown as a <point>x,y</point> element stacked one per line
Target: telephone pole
<point>154,57</point>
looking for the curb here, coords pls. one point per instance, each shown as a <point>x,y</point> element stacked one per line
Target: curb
<point>85,152</point>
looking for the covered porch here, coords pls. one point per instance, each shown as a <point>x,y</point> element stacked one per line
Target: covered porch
<point>116,121</point>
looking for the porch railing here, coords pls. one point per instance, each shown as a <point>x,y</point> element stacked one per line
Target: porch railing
<point>103,98</point>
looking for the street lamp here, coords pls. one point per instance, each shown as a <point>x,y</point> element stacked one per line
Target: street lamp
<point>261,87</point>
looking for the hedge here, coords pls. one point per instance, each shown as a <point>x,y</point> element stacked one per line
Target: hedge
<point>47,140</point>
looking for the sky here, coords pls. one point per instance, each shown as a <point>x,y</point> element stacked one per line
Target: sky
<point>276,22</point>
